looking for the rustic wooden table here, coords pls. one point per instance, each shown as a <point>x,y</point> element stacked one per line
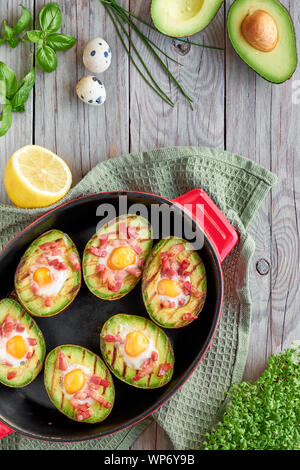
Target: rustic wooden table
<point>235,109</point>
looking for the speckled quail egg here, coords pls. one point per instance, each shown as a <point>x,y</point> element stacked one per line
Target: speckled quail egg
<point>97,55</point>
<point>91,91</point>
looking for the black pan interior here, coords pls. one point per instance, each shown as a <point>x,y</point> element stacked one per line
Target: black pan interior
<point>28,410</point>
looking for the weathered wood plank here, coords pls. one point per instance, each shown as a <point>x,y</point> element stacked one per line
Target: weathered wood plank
<point>154,124</point>
<point>261,124</point>
<point>83,135</point>
<point>21,61</point>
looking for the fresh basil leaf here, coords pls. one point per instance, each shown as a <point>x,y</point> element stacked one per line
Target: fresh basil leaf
<point>8,31</point>
<point>6,119</point>
<point>60,42</point>
<point>26,85</point>
<point>8,75</point>
<point>19,109</point>
<point>50,18</point>
<point>34,35</point>
<point>46,59</point>
<point>13,42</point>
<point>23,22</point>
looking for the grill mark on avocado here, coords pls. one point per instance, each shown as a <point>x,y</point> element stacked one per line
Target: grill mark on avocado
<point>31,325</point>
<point>95,365</point>
<point>124,370</point>
<point>83,354</point>
<point>62,400</point>
<point>201,279</point>
<point>53,374</point>
<point>114,356</point>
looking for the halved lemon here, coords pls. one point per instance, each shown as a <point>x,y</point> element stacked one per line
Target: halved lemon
<point>36,177</point>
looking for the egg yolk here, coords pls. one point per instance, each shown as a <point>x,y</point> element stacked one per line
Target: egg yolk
<point>136,343</point>
<point>74,381</point>
<point>169,288</point>
<point>42,276</point>
<point>16,347</point>
<point>121,257</point>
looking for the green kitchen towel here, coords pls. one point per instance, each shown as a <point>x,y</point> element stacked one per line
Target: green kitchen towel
<point>238,187</point>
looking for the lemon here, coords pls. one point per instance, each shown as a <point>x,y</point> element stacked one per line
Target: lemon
<point>36,177</point>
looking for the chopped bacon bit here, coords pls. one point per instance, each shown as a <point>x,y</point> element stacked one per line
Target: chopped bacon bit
<point>9,325</point>
<point>141,263</point>
<point>181,302</point>
<point>59,243</point>
<point>103,241</point>
<point>164,368</point>
<point>183,267</point>
<point>29,355</point>
<point>32,341</point>
<point>131,232</point>
<point>6,363</point>
<point>113,339</point>
<point>154,356</point>
<point>95,251</point>
<point>11,375</point>
<point>176,249</point>
<point>74,260</point>
<point>100,268</point>
<point>189,317</point>
<point>188,289</point>
<point>114,286</point>
<point>167,304</point>
<point>58,265</point>
<point>135,246</point>
<point>63,363</point>
<point>147,368</point>
<point>20,328</point>
<point>100,399</point>
<point>83,412</point>
<point>123,230</point>
<point>98,381</point>
<point>48,302</point>
<point>136,272</point>
<point>81,395</point>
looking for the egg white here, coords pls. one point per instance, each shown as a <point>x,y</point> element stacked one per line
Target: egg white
<point>5,356</point>
<point>135,362</point>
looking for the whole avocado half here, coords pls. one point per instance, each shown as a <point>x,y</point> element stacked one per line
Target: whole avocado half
<point>34,304</point>
<point>181,18</point>
<point>112,230</point>
<point>122,324</point>
<point>278,64</point>
<point>29,370</point>
<point>53,380</point>
<point>173,317</point>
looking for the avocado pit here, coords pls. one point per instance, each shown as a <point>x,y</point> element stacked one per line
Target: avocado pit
<point>260,30</point>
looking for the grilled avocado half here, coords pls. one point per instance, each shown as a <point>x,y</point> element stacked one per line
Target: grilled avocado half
<point>174,283</point>
<point>48,277</point>
<point>79,384</point>
<point>137,351</point>
<point>22,345</point>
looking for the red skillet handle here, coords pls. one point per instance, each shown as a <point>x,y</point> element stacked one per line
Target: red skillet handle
<point>216,227</point>
<point>4,430</point>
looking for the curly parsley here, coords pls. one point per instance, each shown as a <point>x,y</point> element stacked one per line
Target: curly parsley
<point>264,415</point>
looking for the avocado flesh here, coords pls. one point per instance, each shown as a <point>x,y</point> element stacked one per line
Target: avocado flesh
<point>27,372</point>
<point>181,18</point>
<point>90,261</point>
<point>172,317</point>
<point>278,65</point>
<point>114,359</point>
<point>35,305</point>
<point>52,380</point>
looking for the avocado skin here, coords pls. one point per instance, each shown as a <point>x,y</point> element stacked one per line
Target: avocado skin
<point>92,279</point>
<point>26,374</point>
<point>110,352</point>
<point>83,356</point>
<point>153,308</point>
<point>206,14</point>
<point>36,307</point>
<point>232,30</point>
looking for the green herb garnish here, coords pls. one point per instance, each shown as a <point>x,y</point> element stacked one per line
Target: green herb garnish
<point>13,96</point>
<point>123,18</point>
<point>264,415</point>
<point>10,35</point>
<point>48,40</point>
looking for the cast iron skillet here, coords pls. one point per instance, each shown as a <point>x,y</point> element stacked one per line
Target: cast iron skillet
<point>28,410</point>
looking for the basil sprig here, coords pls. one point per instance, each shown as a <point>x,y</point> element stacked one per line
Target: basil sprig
<point>48,40</point>
<point>10,35</point>
<point>13,96</point>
